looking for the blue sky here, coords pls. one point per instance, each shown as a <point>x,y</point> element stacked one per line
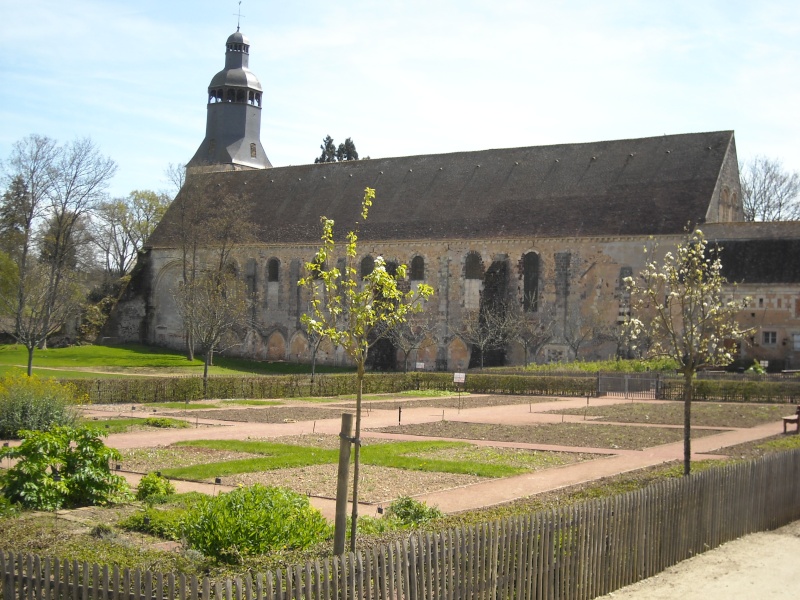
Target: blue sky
<point>401,78</point>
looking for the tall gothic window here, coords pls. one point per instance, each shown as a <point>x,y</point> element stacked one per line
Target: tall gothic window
<point>473,266</point>
<point>417,269</point>
<point>273,269</point>
<point>367,265</point>
<point>530,282</point>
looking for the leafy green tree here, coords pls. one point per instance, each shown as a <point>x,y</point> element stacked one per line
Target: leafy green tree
<point>678,308</point>
<point>347,151</point>
<point>62,467</point>
<point>350,311</point>
<point>328,151</point>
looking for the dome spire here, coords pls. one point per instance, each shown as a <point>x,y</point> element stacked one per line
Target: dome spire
<point>233,121</point>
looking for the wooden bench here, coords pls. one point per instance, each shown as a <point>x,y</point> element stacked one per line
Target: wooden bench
<point>793,419</point>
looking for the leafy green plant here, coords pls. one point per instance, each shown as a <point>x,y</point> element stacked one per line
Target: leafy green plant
<point>153,487</point>
<point>166,524</point>
<point>412,512</point>
<point>251,521</point>
<point>33,403</point>
<point>65,466</point>
<point>166,423</point>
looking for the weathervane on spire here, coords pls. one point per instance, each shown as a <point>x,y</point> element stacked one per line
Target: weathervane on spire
<point>239,15</point>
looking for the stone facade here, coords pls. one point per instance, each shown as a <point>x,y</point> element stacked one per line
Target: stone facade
<point>553,228</point>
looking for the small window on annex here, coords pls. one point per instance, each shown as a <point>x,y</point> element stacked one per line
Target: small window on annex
<point>367,265</point>
<point>530,282</point>
<point>273,269</point>
<point>417,269</point>
<point>473,266</point>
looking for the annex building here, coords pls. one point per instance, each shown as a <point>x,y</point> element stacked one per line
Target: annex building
<point>542,228</point>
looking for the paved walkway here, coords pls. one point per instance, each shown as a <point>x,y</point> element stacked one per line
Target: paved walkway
<point>488,493</point>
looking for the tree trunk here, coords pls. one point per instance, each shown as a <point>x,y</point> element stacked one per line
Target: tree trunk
<point>30,359</point>
<point>687,421</point>
<point>189,347</point>
<point>205,375</point>
<point>356,461</point>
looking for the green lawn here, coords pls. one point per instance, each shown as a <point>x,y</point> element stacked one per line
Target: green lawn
<point>415,456</point>
<point>135,359</point>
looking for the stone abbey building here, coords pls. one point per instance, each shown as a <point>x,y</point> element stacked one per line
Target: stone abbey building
<point>551,228</point>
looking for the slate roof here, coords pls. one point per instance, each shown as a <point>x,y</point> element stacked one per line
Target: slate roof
<point>646,186</point>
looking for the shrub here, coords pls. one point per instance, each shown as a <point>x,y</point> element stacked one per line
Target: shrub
<point>412,512</point>
<point>32,403</point>
<point>252,521</point>
<point>153,487</point>
<point>166,423</point>
<point>166,524</point>
<point>65,466</point>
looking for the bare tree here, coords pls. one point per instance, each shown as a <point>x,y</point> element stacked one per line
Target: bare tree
<point>123,225</point>
<point>217,308</point>
<point>532,329</point>
<point>212,220</point>
<point>488,328</point>
<point>414,333</point>
<point>30,166</point>
<point>42,312</point>
<point>769,193</point>
<point>581,327</point>
<point>79,175</point>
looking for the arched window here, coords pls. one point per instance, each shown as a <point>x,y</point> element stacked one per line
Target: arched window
<point>240,95</point>
<point>231,96</point>
<point>273,269</point>
<point>530,282</point>
<point>250,275</point>
<point>391,268</point>
<point>473,266</point>
<point>417,269</point>
<point>367,265</point>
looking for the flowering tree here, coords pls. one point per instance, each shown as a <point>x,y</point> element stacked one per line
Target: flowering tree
<point>678,311</point>
<point>350,311</point>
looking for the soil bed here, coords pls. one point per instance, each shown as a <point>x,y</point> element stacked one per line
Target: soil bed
<point>561,434</point>
<point>704,414</point>
<point>378,484</point>
<point>452,402</point>
<point>272,414</point>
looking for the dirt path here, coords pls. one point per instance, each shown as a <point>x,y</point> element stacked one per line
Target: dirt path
<point>761,565</point>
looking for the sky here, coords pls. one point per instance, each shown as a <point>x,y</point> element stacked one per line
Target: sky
<point>400,78</point>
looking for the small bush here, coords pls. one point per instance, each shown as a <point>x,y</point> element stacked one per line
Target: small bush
<point>65,466</point>
<point>412,512</point>
<point>252,521</point>
<point>34,404</point>
<point>154,488</point>
<point>166,524</point>
<point>166,423</point>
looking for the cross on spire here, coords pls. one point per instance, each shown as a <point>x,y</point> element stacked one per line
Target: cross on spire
<point>239,15</point>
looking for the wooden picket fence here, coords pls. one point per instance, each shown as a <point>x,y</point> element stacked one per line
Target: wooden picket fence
<point>576,552</point>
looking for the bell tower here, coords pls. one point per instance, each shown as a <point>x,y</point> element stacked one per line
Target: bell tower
<point>233,121</point>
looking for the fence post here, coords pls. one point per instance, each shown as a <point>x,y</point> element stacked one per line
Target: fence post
<point>340,523</point>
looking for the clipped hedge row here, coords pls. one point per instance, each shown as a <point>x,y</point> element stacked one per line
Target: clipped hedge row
<point>735,391</point>
<point>180,389</point>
